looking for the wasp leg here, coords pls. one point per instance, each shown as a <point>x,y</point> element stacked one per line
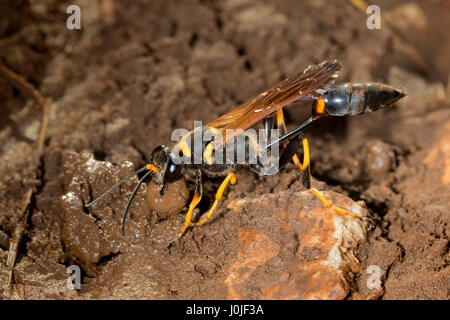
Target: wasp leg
<point>282,127</point>
<point>306,180</point>
<point>194,202</point>
<point>230,178</point>
<point>288,147</point>
<point>289,153</point>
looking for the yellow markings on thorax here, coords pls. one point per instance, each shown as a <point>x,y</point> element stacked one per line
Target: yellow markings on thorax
<point>215,131</point>
<point>183,146</point>
<point>185,149</point>
<point>207,154</point>
<point>209,148</point>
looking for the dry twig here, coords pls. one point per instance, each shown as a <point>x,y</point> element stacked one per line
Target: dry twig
<point>29,91</point>
<point>17,237</point>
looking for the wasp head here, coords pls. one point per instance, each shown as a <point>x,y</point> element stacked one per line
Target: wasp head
<point>169,170</point>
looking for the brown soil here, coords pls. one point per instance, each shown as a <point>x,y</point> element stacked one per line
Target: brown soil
<point>135,72</point>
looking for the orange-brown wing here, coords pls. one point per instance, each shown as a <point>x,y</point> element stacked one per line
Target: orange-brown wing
<point>305,84</point>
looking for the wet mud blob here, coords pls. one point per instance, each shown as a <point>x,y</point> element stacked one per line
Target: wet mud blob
<point>173,201</point>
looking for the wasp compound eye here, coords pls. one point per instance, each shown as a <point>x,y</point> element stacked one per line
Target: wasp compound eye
<point>159,155</point>
<point>173,172</point>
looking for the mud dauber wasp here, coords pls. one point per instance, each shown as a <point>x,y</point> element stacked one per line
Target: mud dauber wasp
<point>315,82</point>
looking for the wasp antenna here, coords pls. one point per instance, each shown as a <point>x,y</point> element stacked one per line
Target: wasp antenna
<point>117,185</point>
<point>131,200</point>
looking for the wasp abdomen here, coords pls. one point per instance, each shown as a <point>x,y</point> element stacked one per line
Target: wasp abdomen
<point>356,98</point>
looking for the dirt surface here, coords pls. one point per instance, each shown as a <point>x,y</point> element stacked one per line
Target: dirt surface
<point>134,72</point>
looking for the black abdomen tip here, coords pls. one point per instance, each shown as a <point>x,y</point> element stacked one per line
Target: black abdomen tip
<point>399,94</point>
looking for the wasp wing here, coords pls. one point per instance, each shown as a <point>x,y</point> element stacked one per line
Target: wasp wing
<point>305,84</point>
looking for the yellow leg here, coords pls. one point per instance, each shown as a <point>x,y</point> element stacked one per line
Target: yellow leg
<point>280,120</point>
<point>330,205</point>
<point>304,167</point>
<point>230,178</point>
<point>305,164</point>
<point>195,200</point>
<point>282,126</point>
